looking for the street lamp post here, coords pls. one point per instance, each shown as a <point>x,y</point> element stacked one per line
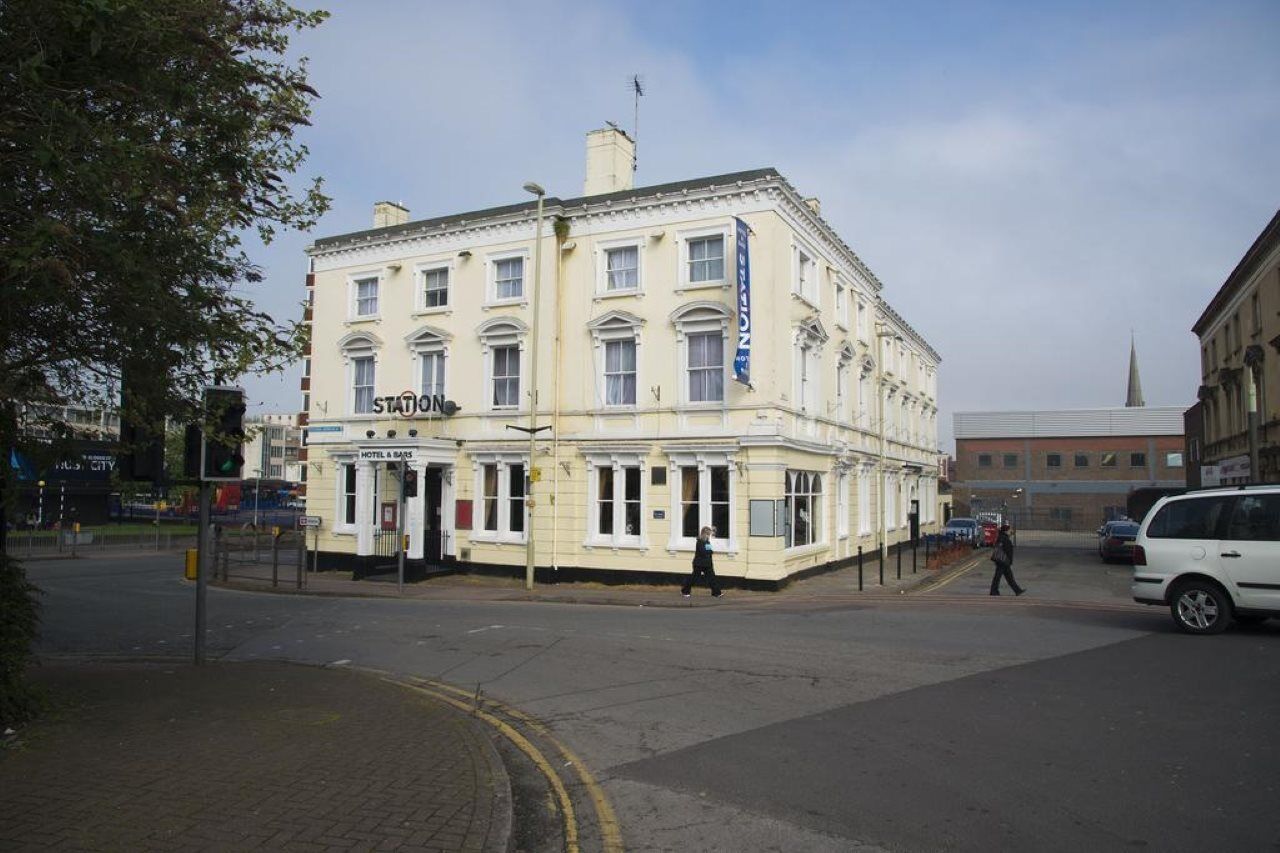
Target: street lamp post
<point>40,507</point>
<point>538,191</point>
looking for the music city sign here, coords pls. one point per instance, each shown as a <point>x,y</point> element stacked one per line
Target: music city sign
<point>409,404</point>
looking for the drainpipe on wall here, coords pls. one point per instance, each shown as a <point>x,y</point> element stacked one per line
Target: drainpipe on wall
<point>561,229</point>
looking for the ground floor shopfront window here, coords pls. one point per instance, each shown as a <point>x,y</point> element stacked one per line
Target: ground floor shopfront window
<point>803,508</point>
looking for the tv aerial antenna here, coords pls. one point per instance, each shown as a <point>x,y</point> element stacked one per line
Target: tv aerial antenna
<point>636,84</point>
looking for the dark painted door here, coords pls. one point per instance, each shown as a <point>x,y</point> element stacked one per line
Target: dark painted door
<point>432,534</point>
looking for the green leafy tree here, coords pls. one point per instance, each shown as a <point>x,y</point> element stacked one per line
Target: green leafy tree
<point>139,142</point>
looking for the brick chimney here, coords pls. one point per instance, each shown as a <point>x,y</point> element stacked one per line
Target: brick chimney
<point>610,162</point>
<point>387,213</point>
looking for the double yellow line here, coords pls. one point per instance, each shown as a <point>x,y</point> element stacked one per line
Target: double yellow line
<point>610,834</point>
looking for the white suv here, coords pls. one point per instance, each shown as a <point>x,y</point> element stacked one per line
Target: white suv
<point>1212,557</point>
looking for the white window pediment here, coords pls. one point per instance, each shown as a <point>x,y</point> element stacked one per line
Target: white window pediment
<point>427,339</point>
<point>846,352</point>
<point>703,312</point>
<point>813,329</point>
<point>867,367</point>
<point>502,329</point>
<point>359,341</point>
<point>615,324</point>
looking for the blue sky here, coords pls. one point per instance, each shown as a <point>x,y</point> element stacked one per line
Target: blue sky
<point>1029,181</point>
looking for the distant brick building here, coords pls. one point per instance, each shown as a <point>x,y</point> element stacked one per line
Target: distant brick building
<point>1072,469</point>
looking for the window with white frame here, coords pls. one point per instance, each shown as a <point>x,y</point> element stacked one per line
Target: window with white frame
<point>842,504</point>
<point>803,500</point>
<point>701,331</point>
<point>347,495</point>
<point>430,349</point>
<point>842,304</point>
<point>434,287</point>
<point>506,376</point>
<point>500,488</point>
<point>620,373</point>
<point>806,276</point>
<point>363,383</point>
<point>705,259</point>
<point>360,353</point>
<point>431,369</point>
<point>364,293</point>
<point>615,498</point>
<point>862,320</point>
<point>621,268</point>
<point>889,502</point>
<point>702,495</point>
<point>706,367</point>
<point>346,520</point>
<point>507,275</point>
<point>616,337</point>
<point>806,355</point>
<point>501,341</point>
<point>864,393</point>
<point>844,365</point>
<point>864,502</point>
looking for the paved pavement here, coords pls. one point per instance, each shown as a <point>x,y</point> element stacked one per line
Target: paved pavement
<point>898,577</point>
<point>165,756</point>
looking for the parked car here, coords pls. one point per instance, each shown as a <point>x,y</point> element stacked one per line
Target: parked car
<point>1212,557</point>
<point>1115,540</point>
<point>990,531</point>
<point>962,529</point>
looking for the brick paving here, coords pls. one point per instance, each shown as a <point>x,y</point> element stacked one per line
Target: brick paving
<point>245,756</point>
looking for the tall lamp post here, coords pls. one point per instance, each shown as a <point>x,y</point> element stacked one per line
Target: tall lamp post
<point>882,331</point>
<point>538,191</point>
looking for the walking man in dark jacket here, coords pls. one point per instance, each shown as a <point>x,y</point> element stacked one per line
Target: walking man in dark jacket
<point>1002,556</point>
<point>702,565</point>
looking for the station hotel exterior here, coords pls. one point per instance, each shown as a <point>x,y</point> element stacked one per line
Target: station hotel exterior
<point>423,339</point>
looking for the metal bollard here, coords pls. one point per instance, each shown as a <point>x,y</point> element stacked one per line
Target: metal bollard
<point>275,560</point>
<point>899,561</point>
<point>880,560</point>
<point>859,568</point>
<point>300,553</point>
<point>914,544</point>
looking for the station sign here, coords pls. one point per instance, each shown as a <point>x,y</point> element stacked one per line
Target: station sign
<point>308,521</point>
<point>409,404</point>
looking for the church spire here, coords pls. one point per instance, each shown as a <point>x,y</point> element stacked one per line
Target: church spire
<point>1134,398</point>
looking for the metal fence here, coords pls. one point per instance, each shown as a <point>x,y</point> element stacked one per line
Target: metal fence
<point>65,543</point>
<point>246,553</point>
<point>1056,528</point>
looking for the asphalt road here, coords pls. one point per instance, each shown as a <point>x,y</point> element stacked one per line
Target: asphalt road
<point>1064,719</point>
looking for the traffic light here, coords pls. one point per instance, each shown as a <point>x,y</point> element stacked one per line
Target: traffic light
<point>410,483</point>
<point>192,450</point>
<point>224,444</point>
<point>141,453</point>
<point>141,426</point>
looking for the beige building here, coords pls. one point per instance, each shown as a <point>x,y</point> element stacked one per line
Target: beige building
<point>1239,392</point>
<point>626,316</point>
<point>271,451</point>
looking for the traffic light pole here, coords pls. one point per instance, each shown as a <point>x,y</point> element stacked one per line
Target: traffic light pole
<point>203,563</point>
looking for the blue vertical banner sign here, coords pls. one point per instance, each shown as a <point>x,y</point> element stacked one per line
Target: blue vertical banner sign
<point>742,361</point>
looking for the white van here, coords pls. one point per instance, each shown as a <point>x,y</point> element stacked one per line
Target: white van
<point>1212,557</point>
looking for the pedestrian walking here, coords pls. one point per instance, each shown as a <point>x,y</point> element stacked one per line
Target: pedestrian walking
<point>1002,556</point>
<point>702,565</point>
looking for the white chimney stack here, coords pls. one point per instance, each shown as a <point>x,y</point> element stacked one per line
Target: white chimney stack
<point>611,156</point>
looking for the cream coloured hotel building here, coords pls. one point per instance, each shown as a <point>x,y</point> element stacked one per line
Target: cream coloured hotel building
<point>649,432</point>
